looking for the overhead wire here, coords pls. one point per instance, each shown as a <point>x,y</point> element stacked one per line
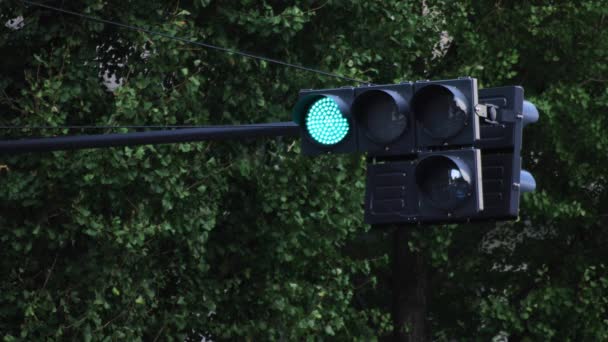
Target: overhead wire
<point>168,36</point>
<point>194,42</point>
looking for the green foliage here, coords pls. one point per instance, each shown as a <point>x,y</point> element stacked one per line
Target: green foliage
<point>249,240</point>
<point>547,279</point>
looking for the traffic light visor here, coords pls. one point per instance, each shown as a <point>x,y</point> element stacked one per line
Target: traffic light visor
<point>441,110</point>
<point>444,181</point>
<point>382,114</point>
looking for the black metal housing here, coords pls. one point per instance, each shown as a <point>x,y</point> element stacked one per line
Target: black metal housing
<point>488,143</point>
<point>469,162</point>
<point>464,95</point>
<point>392,195</point>
<point>501,146</point>
<point>400,95</point>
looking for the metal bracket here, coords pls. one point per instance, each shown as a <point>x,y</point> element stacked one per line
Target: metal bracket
<point>488,112</point>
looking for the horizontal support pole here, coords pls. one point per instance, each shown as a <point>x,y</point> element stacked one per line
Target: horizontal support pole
<point>181,135</point>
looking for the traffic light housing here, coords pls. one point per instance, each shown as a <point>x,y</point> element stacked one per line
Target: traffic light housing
<point>445,112</point>
<point>448,184</point>
<point>389,120</point>
<point>438,151</point>
<point>501,140</point>
<point>430,187</point>
<point>325,121</point>
<point>383,118</point>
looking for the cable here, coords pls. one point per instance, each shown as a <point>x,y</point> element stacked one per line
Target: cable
<point>184,40</point>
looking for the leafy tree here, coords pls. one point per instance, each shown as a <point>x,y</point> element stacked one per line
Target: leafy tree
<point>249,240</point>
<point>547,279</point>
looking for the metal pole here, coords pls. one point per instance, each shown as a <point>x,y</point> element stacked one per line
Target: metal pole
<point>410,282</point>
<point>151,137</point>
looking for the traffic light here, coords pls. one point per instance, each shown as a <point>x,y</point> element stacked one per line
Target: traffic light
<point>445,112</point>
<point>374,119</point>
<point>501,140</point>
<point>325,121</point>
<point>430,171</point>
<point>383,118</point>
<point>388,120</point>
<point>448,184</point>
<point>430,187</point>
<point>438,151</point>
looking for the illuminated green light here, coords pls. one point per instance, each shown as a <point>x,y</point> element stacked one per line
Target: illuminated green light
<point>325,122</point>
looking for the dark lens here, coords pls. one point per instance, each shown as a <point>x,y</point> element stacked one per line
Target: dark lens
<point>441,113</point>
<point>380,115</point>
<point>442,182</point>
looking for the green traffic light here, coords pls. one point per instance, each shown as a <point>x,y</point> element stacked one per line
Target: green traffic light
<point>325,122</point>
